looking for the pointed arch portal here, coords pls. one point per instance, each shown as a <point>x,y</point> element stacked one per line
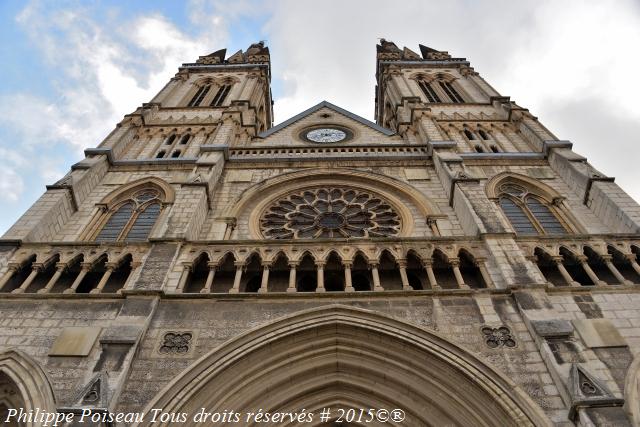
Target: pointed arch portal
<point>23,385</point>
<point>342,357</point>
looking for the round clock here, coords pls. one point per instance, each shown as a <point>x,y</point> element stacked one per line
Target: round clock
<point>326,135</point>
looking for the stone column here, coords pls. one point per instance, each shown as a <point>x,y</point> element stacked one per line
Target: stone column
<point>186,270</point>
<point>292,276</point>
<point>320,272</point>
<point>376,277</point>
<point>608,260</point>
<point>236,281</point>
<point>209,282</point>
<point>563,271</point>
<point>60,267</point>
<point>428,266</point>
<point>481,263</point>
<point>455,265</point>
<point>630,257</point>
<point>111,267</point>
<point>35,269</point>
<point>587,268</point>
<point>348,286</point>
<point>8,275</point>
<point>402,266</point>
<point>85,268</point>
<point>264,285</point>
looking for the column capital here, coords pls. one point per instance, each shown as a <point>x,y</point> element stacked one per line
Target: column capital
<point>61,266</point>
<point>455,262</point>
<point>427,262</point>
<point>347,263</point>
<point>294,264</point>
<point>607,257</point>
<point>111,265</point>
<point>402,263</point>
<point>13,266</point>
<point>266,264</point>
<point>631,257</point>
<point>213,265</point>
<point>582,259</point>
<point>374,264</point>
<point>239,264</point>
<point>557,259</point>
<point>321,263</point>
<point>187,266</point>
<point>37,266</point>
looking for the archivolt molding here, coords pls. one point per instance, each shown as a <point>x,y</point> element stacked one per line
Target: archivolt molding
<point>30,379</point>
<point>632,391</point>
<point>221,80</point>
<point>429,77</point>
<point>271,189</point>
<point>167,192</point>
<point>534,186</point>
<point>347,357</point>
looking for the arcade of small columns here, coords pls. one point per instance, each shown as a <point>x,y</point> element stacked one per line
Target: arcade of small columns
<point>333,272</point>
<point>100,275</point>
<point>309,270</point>
<point>586,265</point>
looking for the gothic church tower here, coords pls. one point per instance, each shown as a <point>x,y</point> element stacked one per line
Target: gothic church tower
<point>454,262</point>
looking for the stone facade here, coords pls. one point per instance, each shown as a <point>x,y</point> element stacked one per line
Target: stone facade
<point>454,260</point>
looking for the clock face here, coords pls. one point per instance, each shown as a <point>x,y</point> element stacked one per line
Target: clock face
<point>326,135</point>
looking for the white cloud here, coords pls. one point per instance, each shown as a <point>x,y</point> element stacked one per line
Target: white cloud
<point>558,59</point>
<point>11,184</point>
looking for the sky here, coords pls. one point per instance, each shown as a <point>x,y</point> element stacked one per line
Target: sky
<point>72,69</point>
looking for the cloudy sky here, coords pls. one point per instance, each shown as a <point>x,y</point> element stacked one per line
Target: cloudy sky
<point>72,69</point>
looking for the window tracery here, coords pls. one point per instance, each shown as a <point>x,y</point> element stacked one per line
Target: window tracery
<point>132,219</point>
<point>330,212</point>
<point>527,212</point>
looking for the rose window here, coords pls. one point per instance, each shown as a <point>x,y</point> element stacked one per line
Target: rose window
<point>330,212</point>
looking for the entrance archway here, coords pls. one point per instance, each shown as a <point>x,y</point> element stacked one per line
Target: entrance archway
<point>342,357</point>
<point>23,384</point>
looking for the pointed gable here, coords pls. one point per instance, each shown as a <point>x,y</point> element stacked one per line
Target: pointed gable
<point>318,117</point>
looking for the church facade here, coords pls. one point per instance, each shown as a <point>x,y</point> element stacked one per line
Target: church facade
<point>453,263</point>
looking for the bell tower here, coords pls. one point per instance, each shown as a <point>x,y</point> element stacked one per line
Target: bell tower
<point>240,82</point>
<point>407,81</point>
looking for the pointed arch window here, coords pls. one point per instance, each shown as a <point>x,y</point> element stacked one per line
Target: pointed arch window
<point>451,92</point>
<point>528,213</point>
<point>428,91</point>
<point>218,100</point>
<point>132,219</point>
<point>199,96</point>
<point>440,89</point>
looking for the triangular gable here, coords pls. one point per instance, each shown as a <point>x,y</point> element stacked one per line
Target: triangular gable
<point>331,106</point>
